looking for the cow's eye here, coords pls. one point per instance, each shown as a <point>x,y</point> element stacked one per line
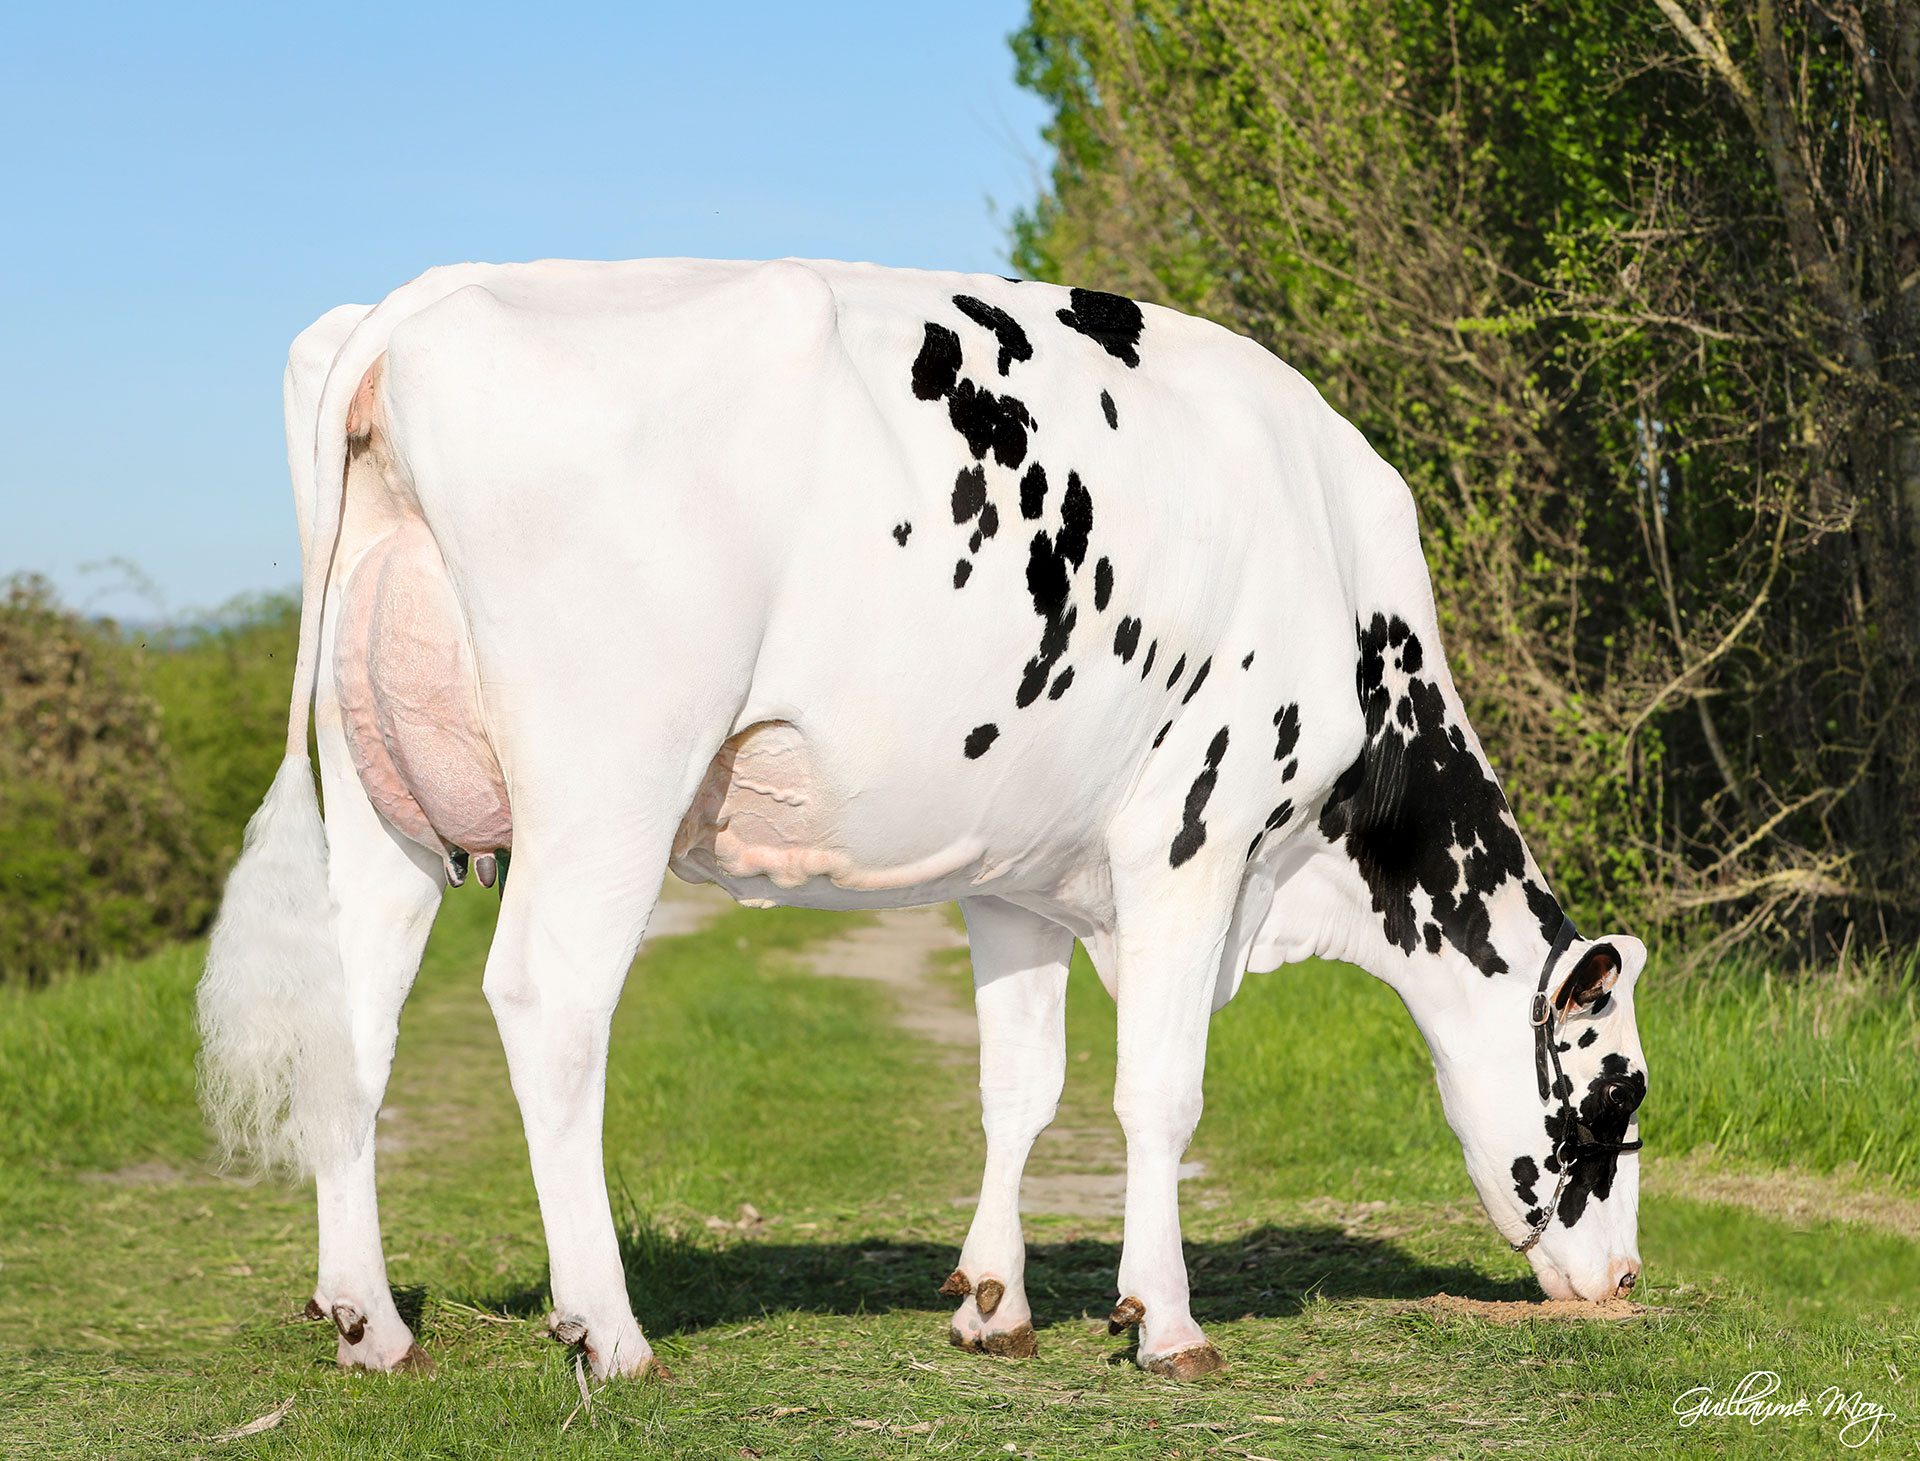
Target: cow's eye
<point>1619,1096</point>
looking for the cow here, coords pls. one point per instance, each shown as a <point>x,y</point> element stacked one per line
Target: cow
<point>850,587</point>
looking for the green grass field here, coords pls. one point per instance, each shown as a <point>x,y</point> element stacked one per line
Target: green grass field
<point>145,1305</point>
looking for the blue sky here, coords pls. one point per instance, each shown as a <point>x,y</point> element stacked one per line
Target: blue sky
<point>187,187</point>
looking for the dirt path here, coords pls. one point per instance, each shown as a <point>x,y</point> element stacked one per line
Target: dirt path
<point>1078,1167</point>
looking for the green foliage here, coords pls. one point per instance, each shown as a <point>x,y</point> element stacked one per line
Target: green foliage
<point>223,687</point>
<point>97,848</point>
<point>128,769</point>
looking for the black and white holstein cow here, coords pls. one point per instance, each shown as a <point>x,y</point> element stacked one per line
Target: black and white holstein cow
<point>849,587</point>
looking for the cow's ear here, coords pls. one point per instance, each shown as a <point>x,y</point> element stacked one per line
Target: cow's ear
<point>1590,983</point>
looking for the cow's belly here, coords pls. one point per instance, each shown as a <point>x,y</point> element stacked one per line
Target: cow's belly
<point>767,814</point>
<point>409,699</point>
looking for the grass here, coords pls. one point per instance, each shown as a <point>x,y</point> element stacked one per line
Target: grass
<point>144,1313</point>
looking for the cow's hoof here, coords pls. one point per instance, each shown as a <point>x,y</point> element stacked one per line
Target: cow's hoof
<point>1185,1364</point>
<point>1013,1344</point>
<point>969,1342</point>
<point>416,1361</point>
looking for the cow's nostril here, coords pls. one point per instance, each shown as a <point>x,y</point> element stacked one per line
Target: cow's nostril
<point>1627,1281</point>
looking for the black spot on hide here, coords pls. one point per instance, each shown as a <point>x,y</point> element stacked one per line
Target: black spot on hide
<point>990,422</point>
<point>1247,663</point>
<point>1076,520</point>
<point>1286,727</point>
<point>901,532</point>
<point>962,571</point>
<point>1146,667</point>
<point>979,738</point>
<point>1179,669</point>
<point>1192,835</point>
<point>938,364</point>
<point>1033,492</point>
<point>969,494</point>
<point>973,543</point>
<point>1199,679</point>
<point>1525,1174</point>
<point>1102,583</point>
<point>1047,577</point>
<point>1588,1038</point>
<point>1013,339</point>
<point>1054,639</point>
<point>989,521</point>
<point>1060,684</point>
<point>1421,796</point>
<point>1163,735</point>
<point>1126,639</point>
<point>1110,320</point>
<point>1108,409</point>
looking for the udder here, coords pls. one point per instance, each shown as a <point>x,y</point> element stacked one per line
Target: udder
<point>410,699</point>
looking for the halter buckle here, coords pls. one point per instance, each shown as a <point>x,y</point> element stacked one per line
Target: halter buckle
<point>1542,1009</point>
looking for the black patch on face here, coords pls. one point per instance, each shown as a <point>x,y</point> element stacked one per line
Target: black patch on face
<point>1525,1174</point>
<point>1420,796</point>
<point>1247,663</point>
<point>1192,835</point>
<point>938,364</point>
<point>1060,684</point>
<point>1146,667</point>
<point>901,532</point>
<point>1588,1038</point>
<point>979,738</point>
<point>1605,1114</point>
<point>1110,320</point>
<point>1013,339</point>
<point>990,422</point>
<point>1033,492</point>
<point>1126,639</point>
<point>1199,679</point>
<point>1179,669</point>
<point>1108,409</point>
<point>1102,583</point>
<point>969,494</point>
<point>1163,735</point>
<point>962,571</point>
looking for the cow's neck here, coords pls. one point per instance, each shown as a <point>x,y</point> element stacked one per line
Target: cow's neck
<point>1442,871</point>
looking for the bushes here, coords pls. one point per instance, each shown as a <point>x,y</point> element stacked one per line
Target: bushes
<point>97,848</point>
<point>127,774</point>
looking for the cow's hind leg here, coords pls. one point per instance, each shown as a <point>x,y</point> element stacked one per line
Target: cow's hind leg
<point>1020,987</point>
<point>570,922</point>
<point>386,891</point>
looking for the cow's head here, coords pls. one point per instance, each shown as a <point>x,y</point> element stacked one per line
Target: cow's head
<point>1415,870</point>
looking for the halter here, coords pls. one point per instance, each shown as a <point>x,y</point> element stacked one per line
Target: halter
<point>1553,1082</point>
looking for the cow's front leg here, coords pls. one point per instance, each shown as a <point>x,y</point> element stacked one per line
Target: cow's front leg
<point>1020,990</point>
<point>569,926</point>
<point>1167,975</point>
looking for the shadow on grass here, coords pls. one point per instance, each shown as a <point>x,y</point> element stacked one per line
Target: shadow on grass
<point>680,1283</point>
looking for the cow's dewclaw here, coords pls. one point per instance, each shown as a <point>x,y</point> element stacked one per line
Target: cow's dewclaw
<point>957,1286</point>
<point>988,1295</point>
<point>313,1311</point>
<point>1127,1313</point>
<point>351,1323</point>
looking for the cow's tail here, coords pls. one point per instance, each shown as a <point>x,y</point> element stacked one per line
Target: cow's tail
<point>276,1060</point>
